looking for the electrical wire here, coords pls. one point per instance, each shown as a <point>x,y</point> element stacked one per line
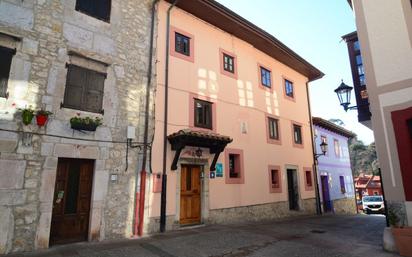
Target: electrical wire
<point>74,138</point>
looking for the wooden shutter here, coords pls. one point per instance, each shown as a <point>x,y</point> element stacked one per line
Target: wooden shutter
<point>93,97</point>
<point>84,89</point>
<point>75,84</point>
<point>6,54</point>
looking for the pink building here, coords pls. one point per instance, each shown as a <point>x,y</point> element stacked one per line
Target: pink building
<point>238,121</point>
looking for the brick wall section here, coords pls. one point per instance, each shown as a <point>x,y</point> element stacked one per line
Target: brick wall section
<point>48,30</point>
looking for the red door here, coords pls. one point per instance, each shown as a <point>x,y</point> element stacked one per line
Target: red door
<point>71,204</point>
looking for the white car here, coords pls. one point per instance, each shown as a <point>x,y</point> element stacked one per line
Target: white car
<point>373,204</point>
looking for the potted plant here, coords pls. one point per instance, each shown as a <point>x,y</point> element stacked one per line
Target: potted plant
<point>86,123</point>
<point>42,116</point>
<point>27,115</point>
<point>401,233</point>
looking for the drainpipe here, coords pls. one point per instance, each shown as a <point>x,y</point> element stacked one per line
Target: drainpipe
<point>315,161</point>
<point>164,175</point>
<point>140,197</point>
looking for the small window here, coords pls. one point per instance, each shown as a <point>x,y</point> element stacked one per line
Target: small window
<point>203,114</point>
<point>342,184</point>
<point>337,147</point>
<point>99,9</point>
<point>84,89</point>
<point>182,44</point>
<point>228,63</point>
<point>234,166</point>
<point>275,178</point>
<point>6,54</point>
<point>297,134</point>
<point>289,88</point>
<point>265,77</point>
<point>273,128</point>
<point>308,175</point>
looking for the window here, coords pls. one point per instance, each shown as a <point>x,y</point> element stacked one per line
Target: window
<point>273,128</point>
<point>361,70</point>
<point>182,44</point>
<point>234,166</point>
<point>6,54</point>
<point>337,147</point>
<point>297,134</point>
<point>265,77</point>
<point>99,9</point>
<point>342,184</point>
<point>203,114</point>
<point>308,178</point>
<point>84,89</point>
<point>289,88</point>
<point>274,179</point>
<point>229,63</point>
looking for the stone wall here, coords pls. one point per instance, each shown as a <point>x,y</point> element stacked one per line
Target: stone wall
<point>45,33</point>
<point>260,212</point>
<point>345,206</point>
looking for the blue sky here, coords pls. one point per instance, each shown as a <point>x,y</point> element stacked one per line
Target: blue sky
<point>313,29</point>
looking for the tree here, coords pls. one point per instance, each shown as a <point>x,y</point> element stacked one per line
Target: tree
<point>363,157</point>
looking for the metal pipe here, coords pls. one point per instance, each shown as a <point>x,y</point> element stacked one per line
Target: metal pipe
<point>315,161</point>
<point>140,197</point>
<point>164,174</point>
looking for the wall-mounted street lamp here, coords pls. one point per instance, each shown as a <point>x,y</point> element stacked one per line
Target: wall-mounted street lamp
<point>323,148</point>
<point>343,92</point>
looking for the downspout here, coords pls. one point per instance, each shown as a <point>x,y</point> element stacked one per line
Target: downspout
<point>164,174</point>
<point>140,197</point>
<point>315,161</point>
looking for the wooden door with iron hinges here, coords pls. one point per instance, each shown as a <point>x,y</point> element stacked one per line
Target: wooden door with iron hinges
<point>71,203</point>
<point>190,204</point>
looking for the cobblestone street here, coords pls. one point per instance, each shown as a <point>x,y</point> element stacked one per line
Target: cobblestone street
<point>310,236</point>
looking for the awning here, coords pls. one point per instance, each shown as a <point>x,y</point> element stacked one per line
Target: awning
<point>187,137</point>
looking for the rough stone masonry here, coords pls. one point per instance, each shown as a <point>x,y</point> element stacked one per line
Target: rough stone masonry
<point>47,35</point>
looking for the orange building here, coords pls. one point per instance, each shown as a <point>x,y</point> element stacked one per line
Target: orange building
<point>237,121</point>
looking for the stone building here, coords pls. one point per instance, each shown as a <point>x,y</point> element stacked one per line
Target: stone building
<point>71,58</point>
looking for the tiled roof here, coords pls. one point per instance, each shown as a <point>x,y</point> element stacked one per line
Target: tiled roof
<point>332,127</point>
<point>201,134</point>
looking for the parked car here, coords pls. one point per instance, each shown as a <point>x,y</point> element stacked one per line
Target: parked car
<point>373,204</point>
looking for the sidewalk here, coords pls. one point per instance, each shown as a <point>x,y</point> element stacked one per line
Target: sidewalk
<point>314,236</point>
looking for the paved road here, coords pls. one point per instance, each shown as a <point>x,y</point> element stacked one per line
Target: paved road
<point>311,236</point>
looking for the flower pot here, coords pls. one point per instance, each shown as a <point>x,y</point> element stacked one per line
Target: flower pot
<point>41,119</point>
<point>27,117</point>
<point>84,127</point>
<point>403,239</point>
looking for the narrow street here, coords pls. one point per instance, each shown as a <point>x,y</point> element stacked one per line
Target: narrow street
<point>310,236</point>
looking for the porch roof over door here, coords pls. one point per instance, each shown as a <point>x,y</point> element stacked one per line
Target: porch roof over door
<point>187,137</point>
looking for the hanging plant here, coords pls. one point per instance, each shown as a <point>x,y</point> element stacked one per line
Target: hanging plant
<point>27,115</point>
<point>42,117</point>
<point>86,123</point>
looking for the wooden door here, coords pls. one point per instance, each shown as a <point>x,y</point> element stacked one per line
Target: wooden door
<point>71,203</point>
<point>190,208</point>
<point>327,204</point>
<point>293,190</point>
